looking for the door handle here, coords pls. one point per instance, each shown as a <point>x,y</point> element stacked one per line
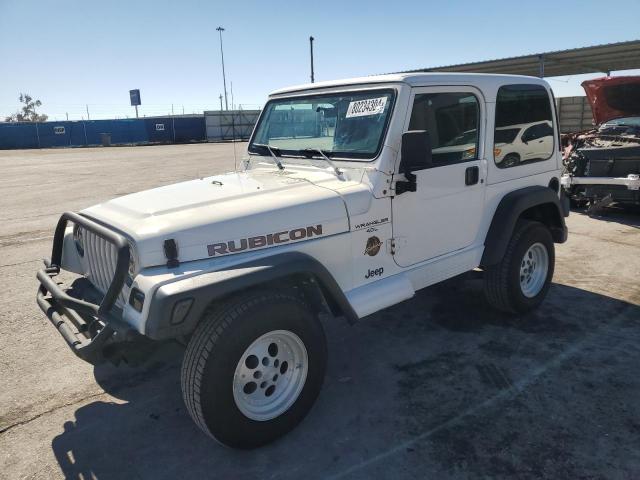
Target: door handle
<point>471,175</point>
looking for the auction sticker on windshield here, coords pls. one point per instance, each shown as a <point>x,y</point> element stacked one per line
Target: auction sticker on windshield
<point>370,106</point>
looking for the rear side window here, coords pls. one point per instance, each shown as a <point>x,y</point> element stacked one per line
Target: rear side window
<point>452,122</point>
<point>524,126</point>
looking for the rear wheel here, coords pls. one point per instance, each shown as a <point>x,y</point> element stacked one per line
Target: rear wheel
<point>254,368</point>
<point>521,280</point>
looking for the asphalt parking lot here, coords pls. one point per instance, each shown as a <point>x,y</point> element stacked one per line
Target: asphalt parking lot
<point>440,386</point>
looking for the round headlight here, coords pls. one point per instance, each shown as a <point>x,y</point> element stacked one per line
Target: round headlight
<point>78,239</point>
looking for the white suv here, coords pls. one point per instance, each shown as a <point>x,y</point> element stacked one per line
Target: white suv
<point>353,195</point>
<point>515,144</point>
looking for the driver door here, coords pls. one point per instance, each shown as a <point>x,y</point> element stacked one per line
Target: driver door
<point>444,213</point>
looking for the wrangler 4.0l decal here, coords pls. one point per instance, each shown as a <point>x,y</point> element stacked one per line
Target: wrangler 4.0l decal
<point>371,223</point>
<point>260,241</point>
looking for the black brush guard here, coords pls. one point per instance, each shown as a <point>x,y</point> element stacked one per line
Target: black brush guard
<point>86,327</point>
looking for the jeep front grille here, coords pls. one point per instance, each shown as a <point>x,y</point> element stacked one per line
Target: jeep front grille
<point>101,258</point>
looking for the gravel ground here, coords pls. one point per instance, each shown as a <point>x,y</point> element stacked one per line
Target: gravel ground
<point>440,386</point>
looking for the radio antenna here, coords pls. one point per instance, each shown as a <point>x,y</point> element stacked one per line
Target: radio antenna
<point>233,129</point>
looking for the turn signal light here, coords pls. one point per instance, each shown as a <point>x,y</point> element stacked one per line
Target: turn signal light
<point>469,153</point>
<point>496,152</point>
<point>136,299</point>
<point>180,310</point>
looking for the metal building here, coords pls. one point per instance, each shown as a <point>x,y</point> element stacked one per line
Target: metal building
<point>574,114</point>
<point>225,125</point>
<point>605,59</point>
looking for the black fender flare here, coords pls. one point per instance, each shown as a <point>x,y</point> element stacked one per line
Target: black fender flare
<point>210,286</point>
<point>511,208</point>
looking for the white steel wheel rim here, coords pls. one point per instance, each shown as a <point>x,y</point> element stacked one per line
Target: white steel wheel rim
<point>268,379</point>
<point>533,270</point>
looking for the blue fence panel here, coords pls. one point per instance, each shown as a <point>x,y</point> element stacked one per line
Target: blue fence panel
<point>18,135</point>
<point>126,131</point>
<point>190,129</point>
<point>89,132</point>
<point>159,130</point>
<point>77,134</point>
<point>54,134</point>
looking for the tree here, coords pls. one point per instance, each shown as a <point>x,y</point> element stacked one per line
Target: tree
<point>28,112</point>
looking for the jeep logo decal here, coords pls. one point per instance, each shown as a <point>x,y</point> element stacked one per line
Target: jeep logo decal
<point>260,241</point>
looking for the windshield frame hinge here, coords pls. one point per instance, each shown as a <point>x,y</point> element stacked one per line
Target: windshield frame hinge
<point>408,185</point>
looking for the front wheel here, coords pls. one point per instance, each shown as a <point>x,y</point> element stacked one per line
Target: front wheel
<point>520,281</point>
<point>254,368</point>
<point>510,160</point>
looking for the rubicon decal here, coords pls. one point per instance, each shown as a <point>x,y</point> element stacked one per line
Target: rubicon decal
<point>261,241</point>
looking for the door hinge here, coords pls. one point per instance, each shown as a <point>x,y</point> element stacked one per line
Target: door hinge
<point>394,244</point>
<point>408,185</point>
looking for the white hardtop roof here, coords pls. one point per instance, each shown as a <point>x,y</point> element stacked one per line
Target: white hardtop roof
<point>481,80</point>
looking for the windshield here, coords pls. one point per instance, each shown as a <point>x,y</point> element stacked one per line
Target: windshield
<point>346,124</point>
<point>626,121</point>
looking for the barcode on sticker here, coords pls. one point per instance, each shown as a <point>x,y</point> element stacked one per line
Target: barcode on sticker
<point>371,106</point>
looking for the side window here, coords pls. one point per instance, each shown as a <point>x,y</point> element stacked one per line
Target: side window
<point>524,126</point>
<point>452,121</point>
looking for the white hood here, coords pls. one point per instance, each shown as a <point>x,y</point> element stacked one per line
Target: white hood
<point>200,213</point>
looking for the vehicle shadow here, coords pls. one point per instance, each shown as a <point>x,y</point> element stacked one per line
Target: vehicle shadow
<point>437,387</point>
<point>624,214</point>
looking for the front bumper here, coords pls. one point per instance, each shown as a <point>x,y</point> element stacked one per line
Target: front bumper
<point>90,326</point>
<point>631,181</point>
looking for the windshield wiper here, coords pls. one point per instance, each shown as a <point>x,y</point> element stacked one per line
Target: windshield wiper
<point>308,152</point>
<point>271,151</point>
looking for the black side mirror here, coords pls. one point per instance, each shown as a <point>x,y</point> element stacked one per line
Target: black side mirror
<point>415,152</point>
<point>415,155</point>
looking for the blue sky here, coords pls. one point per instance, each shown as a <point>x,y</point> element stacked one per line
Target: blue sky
<point>70,53</point>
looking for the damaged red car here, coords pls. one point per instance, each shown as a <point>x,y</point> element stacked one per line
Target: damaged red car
<point>602,166</point>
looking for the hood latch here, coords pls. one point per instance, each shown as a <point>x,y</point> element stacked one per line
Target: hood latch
<point>171,253</point>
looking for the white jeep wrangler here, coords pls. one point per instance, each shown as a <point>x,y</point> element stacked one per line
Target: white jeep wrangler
<point>353,195</point>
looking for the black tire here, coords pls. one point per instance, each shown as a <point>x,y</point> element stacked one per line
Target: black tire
<point>510,160</point>
<point>218,344</point>
<point>502,286</point>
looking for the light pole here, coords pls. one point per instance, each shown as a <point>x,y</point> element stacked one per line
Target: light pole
<point>224,78</point>
<point>311,45</point>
